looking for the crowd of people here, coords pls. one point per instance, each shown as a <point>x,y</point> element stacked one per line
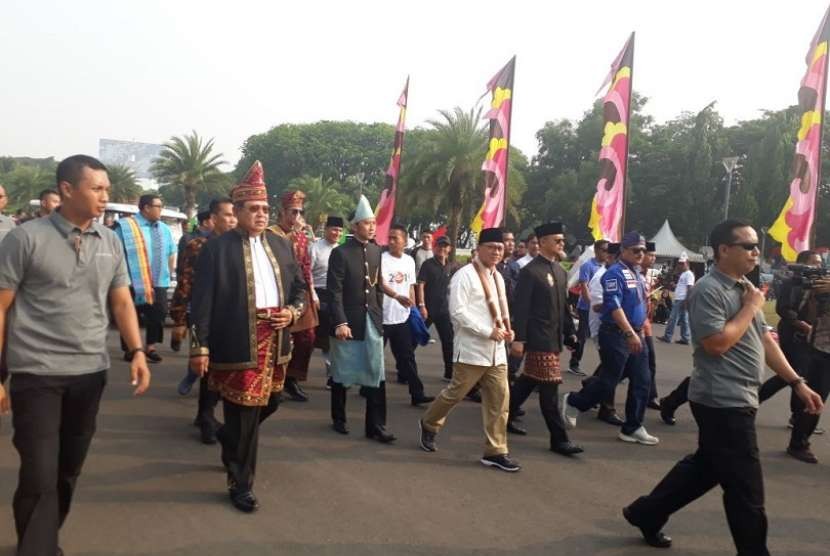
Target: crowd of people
<point>255,299</point>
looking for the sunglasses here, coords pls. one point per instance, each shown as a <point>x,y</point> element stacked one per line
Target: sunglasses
<point>638,250</point>
<point>560,240</point>
<point>297,211</point>
<point>747,246</point>
<point>258,208</point>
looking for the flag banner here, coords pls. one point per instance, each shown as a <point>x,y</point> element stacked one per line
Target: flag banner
<point>794,225</point>
<point>492,210</point>
<point>609,200</point>
<point>385,211</point>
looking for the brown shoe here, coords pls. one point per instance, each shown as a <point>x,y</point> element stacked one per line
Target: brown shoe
<point>802,454</point>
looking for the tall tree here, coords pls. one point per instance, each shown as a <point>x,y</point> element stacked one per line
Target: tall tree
<point>445,176</point>
<point>24,183</point>
<point>188,163</point>
<point>125,188</point>
<point>322,199</point>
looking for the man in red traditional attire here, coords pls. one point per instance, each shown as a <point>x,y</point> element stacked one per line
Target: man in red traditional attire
<point>247,291</point>
<point>290,227</point>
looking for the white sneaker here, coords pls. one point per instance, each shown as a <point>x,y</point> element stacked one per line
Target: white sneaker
<point>566,412</point>
<point>640,436</point>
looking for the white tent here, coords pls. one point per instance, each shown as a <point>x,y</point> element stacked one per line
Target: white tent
<point>668,247</point>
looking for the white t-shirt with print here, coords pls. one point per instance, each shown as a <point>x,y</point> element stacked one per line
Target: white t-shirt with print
<point>399,274</point>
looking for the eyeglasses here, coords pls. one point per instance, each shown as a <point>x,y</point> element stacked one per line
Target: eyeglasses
<point>746,245</point>
<point>258,208</point>
<point>297,211</point>
<point>638,250</point>
<point>560,240</point>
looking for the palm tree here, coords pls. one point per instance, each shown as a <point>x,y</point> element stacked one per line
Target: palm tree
<point>125,188</point>
<point>323,198</point>
<point>24,183</point>
<point>189,163</point>
<point>445,176</point>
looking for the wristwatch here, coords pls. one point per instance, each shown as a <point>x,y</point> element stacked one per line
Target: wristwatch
<point>628,334</point>
<point>796,382</point>
<point>130,354</point>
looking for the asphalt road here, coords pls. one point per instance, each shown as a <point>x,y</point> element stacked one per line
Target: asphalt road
<point>149,486</point>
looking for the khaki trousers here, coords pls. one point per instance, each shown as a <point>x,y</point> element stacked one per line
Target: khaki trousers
<point>495,403</point>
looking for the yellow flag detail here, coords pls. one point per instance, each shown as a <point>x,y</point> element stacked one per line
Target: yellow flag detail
<point>808,120</point>
<point>611,131</point>
<point>780,232</point>
<point>500,95</point>
<point>594,222</point>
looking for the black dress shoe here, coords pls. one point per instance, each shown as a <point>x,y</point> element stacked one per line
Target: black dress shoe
<point>381,435</point>
<point>422,399</point>
<point>520,412</point>
<point>667,413</point>
<point>340,426</point>
<point>154,357</point>
<point>610,417</point>
<point>566,448</point>
<point>244,501</point>
<point>294,391</point>
<point>513,428</point>
<point>657,539</point>
<point>426,438</point>
<point>208,434</point>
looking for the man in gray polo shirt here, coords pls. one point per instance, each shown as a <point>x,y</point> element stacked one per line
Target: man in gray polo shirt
<point>57,276</point>
<point>731,347</point>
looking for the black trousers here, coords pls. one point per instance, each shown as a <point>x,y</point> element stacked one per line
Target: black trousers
<point>548,403</point>
<point>727,455</point>
<point>54,421</point>
<point>240,440</point>
<point>678,396</point>
<point>375,405</point>
<point>652,367</point>
<point>403,348</point>
<point>208,400</point>
<point>152,317</point>
<point>798,355</point>
<point>443,325</point>
<point>583,332</point>
<point>818,377</point>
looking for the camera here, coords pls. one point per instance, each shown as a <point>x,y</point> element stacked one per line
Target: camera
<point>807,276</point>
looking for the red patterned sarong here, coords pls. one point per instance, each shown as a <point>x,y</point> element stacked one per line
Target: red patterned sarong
<point>543,366</point>
<point>253,387</point>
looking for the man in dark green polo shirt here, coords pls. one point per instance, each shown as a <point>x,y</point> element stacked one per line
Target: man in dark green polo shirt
<point>58,274</point>
<point>731,347</point>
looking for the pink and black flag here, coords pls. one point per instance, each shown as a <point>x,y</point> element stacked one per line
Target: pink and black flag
<point>492,210</point>
<point>385,211</point>
<point>609,201</point>
<point>795,223</point>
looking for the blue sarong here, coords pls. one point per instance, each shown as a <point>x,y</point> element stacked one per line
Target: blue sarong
<point>358,361</point>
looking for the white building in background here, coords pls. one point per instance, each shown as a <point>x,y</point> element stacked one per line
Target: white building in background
<point>136,156</point>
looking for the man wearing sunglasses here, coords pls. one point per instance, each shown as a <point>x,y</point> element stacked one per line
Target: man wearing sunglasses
<point>622,348</point>
<point>732,347</point>
<point>290,226</point>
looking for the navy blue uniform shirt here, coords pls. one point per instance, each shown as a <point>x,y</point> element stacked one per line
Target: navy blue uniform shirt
<point>623,288</point>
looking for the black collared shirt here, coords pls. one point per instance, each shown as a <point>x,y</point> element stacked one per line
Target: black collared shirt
<point>436,280</point>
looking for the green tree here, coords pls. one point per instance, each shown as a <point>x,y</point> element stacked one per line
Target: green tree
<point>322,199</point>
<point>444,176</point>
<point>24,183</point>
<point>348,153</point>
<point>219,187</point>
<point>125,188</point>
<point>188,163</point>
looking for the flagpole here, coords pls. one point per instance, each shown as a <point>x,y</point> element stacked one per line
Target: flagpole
<point>509,130</point>
<point>628,137</point>
<point>814,225</point>
<point>405,108</point>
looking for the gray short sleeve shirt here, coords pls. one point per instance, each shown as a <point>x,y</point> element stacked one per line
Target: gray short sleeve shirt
<point>732,379</point>
<point>61,277</point>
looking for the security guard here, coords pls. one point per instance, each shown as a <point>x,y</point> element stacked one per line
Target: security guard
<point>622,347</point>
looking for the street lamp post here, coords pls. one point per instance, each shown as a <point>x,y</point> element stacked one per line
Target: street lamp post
<point>730,163</point>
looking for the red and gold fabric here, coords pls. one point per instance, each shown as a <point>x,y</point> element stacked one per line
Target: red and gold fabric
<point>253,387</point>
<point>543,366</point>
<point>184,281</point>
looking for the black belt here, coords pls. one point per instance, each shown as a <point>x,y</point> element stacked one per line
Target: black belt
<point>615,328</point>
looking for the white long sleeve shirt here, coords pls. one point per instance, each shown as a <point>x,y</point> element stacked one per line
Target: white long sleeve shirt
<point>595,292</point>
<point>265,281</point>
<point>472,321</point>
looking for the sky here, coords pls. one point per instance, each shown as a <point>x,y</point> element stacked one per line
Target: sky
<point>74,72</point>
